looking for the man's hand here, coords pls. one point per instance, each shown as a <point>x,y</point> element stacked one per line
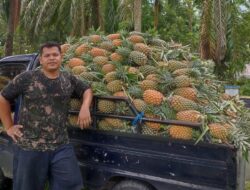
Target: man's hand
<point>14,132</point>
<point>84,118</point>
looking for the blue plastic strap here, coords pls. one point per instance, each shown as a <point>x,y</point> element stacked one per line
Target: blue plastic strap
<point>138,118</point>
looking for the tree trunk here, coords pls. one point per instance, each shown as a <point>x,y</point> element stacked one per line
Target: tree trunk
<point>156,13</point>
<point>95,13</point>
<point>205,38</point>
<point>137,15</point>
<point>14,12</point>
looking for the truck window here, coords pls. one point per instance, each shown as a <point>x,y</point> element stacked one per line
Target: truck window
<point>8,71</point>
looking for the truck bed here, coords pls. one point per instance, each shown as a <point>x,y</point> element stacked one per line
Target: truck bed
<point>163,163</point>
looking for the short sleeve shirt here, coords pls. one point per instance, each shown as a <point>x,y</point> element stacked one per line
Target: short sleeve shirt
<point>44,107</point>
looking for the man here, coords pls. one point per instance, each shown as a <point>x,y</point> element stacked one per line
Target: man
<point>43,152</point>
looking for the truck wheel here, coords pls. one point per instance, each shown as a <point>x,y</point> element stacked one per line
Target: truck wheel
<point>131,185</point>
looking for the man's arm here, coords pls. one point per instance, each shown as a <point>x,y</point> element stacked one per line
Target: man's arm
<point>5,114</point>
<point>84,119</point>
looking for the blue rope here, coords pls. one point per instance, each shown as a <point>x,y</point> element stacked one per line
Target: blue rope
<point>138,118</point>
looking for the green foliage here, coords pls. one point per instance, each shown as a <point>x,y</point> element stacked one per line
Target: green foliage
<point>244,84</point>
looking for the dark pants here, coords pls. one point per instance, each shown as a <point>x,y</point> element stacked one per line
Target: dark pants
<point>31,169</point>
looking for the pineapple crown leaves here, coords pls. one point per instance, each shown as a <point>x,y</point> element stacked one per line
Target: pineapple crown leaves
<point>87,58</point>
<point>241,141</point>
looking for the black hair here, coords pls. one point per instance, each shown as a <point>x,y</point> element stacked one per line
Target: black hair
<point>49,45</point>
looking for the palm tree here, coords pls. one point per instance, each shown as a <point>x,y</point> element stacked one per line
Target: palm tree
<point>13,19</point>
<point>137,15</point>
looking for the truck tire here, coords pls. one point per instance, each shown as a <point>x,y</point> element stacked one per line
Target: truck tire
<point>131,185</point>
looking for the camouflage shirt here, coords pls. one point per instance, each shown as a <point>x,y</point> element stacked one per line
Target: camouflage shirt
<point>44,107</point>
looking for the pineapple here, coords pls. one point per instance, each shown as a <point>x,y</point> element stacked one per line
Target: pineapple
<point>75,104</point>
<point>153,77</point>
<point>111,76</point>
<point>77,70</point>
<point>158,42</point>
<point>153,97</point>
<point>84,48</point>
<point>103,125</point>
<point>108,68</point>
<point>73,119</point>
<point>186,92</point>
<point>153,125</point>
<point>100,60</point>
<point>114,36</point>
<point>98,52</point>
<point>106,106</point>
<point>135,91</point>
<point>133,70</point>
<point>182,81</point>
<point>149,131</point>
<point>120,94</point>
<point>95,38</point>
<point>75,62</point>
<point>141,47</point>
<point>115,86</point>
<point>116,57</point>
<point>217,130</point>
<point>115,123</point>
<point>189,115</point>
<point>64,48</point>
<point>136,39</point>
<point>148,84</point>
<point>180,132</point>
<point>117,42</point>
<point>138,58</point>
<point>147,69</point>
<point>140,105</point>
<point>179,103</point>
<point>107,45</point>
<point>174,65</point>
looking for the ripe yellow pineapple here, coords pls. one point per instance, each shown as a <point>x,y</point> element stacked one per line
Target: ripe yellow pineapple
<point>148,84</point>
<point>217,130</point>
<point>139,104</point>
<point>179,103</point>
<point>84,48</point>
<point>180,132</point>
<point>95,38</point>
<point>108,68</point>
<point>141,47</point>
<point>189,115</point>
<point>64,48</point>
<point>136,39</point>
<point>75,62</point>
<point>153,125</point>
<point>103,125</point>
<point>153,97</point>
<point>98,52</point>
<point>116,57</point>
<point>113,36</point>
<point>117,42</point>
<point>186,92</point>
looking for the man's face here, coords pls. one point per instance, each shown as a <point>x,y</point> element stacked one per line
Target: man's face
<point>50,59</point>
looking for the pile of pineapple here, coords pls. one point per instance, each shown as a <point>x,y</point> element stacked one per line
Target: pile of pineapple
<point>163,80</point>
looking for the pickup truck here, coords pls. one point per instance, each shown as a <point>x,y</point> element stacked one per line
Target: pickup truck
<point>114,160</point>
